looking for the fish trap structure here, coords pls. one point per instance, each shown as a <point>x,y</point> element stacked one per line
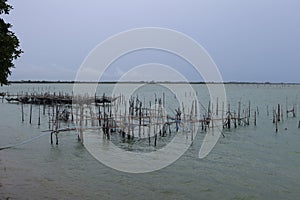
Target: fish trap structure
<point>134,118</point>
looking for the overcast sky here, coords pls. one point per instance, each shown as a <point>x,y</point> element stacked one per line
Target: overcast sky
<point>249,40</point>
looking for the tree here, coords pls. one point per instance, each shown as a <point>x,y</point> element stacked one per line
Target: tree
<point>9,45</point>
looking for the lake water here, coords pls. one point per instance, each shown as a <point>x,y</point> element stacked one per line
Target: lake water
<point>250,162</point>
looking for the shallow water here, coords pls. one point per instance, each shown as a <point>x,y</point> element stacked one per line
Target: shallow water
<point>251,162</point>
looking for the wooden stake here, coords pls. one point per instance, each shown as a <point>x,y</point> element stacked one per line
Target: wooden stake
<point>30,115</point>
<point>278,113</point>
<point>228,117</point>
<point>72,116</point>
<point>276,123</point>
<point>22,109</point>
<point>239,113</point>
<point>254,118</point>
<point>235,120</point>
<point>39,118</point>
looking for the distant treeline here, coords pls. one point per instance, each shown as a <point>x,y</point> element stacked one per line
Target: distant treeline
<point>165,82</point>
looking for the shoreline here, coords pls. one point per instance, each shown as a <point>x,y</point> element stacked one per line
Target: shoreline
<point>151,82</point>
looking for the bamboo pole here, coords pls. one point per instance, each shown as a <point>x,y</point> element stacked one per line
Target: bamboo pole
<point>239,113</point>
<point>30,114</point>
<point>235,119</point>
<point>278,112</point>
<point>22,110</point>
<point>228,117</point>
<point>254,118</point>
<point>39,118</point>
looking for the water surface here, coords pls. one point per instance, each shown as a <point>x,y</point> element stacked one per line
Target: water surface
<point>251,162</point>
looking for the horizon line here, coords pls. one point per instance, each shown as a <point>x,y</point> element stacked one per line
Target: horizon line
<point>151,82</point>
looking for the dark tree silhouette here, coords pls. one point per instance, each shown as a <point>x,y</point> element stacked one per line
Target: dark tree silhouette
<point>9,45</point>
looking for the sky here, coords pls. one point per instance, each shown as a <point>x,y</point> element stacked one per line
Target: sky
<point>249,40</point>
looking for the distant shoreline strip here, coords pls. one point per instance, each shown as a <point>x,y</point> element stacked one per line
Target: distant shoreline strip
<point>146,82</point>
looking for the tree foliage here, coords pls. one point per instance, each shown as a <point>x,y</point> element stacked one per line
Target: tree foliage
<point>9,45</point>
